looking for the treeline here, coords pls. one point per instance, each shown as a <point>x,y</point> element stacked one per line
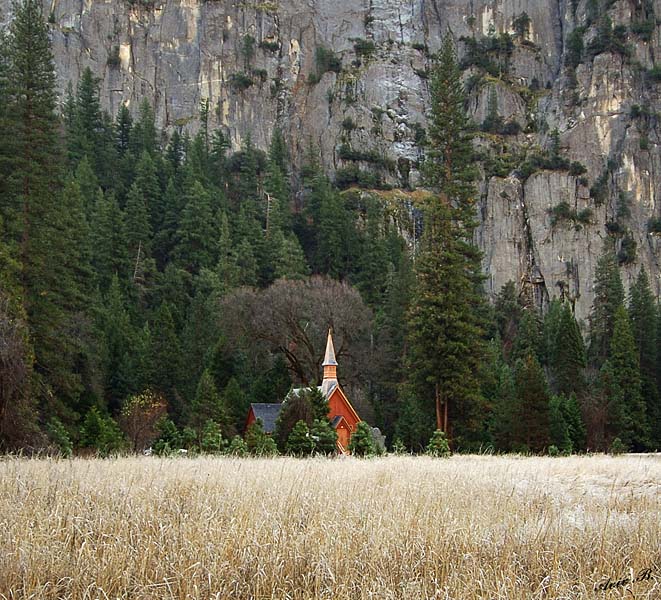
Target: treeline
<point>153,286</point>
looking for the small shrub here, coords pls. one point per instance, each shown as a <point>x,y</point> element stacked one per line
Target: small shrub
<point>324,436</point>
<point>300,442</point>
<point>261,74</point>
<point>240,81</point>
<point>553,450</point>
<point>361,443</point>
<point>237,447</point>
<point>269,45</point>
<point>617,447</point>
<point>169,439</point>
<point>364,48</point>
<point>258,442</point>
<point>438,445</point>
<point>511,127</point>
<point>654,225</point>
<point>326,60</point>
<point>576,168</point>
<point>398,446</point>
<point>348,124</point>
<point>644,29</point>
<point>59,437</point>
<point>420,47</point>
<point>599,190</point>
<point>212,440</point>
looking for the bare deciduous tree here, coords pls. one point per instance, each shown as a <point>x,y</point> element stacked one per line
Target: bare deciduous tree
<point>293,318</point>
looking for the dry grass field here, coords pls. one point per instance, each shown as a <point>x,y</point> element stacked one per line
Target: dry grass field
<point>396,527</point>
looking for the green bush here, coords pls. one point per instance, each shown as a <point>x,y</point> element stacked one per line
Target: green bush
<point>169,439</point>
<point>237,447</point>
<point>59,436</point>
<point>361,443</point>
<point>240,81</point>
<point>438,445</point>
<point>364,48</point>
<point>269,46</point>
<point>101,432</point>
<point>300,442</point>
<point>324,436</point>
<point>212,441</point>
<point>618,447</point>
<point>258,442</point>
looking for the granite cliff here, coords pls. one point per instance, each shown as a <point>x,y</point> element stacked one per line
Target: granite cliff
<point>350,76</point>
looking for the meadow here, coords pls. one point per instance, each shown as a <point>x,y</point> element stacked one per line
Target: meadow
<point>394,527</point>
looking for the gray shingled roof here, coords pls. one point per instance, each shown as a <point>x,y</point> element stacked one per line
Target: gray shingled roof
<point>267,414</point>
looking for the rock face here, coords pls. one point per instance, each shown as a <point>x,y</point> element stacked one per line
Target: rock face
<point>262,64</point>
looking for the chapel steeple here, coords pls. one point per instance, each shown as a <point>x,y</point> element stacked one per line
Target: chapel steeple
<point>330,364</point>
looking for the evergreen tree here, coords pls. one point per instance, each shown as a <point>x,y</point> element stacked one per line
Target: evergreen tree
<point>324,436</point>
<point>39,218</point>
<point>608,297</point>
<point>208,405</point>
<point>299,441</point>
<point>445,319</point>
<point>362,443</point>
<point>165,359</point>
<point>627,413</point>
<point>138,229</point>
<point>569,361</point>
<point>147,184</point>
<point>109,240</point>
<point>532,418</point>
<point>528,341</point>
<point>196,245</point>
<point>143,135</point>
<point>508,313</point>
<point>642,312</point>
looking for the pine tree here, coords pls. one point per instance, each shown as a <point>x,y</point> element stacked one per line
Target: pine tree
<point>629,421</point>
<point>146,182</point>
<point>36,217</point>
<point>569,360</point>
<point>109,240</point>
<point>642,312</point>
<point>165,359</point>
<point>608,297</point>
<point>143,136</point>
<point>532,418</point>
<point>528,340</point>
<point>508,313</point>
<point>138,229</point>
<point>118,340</point>
<point>85,135</point>
<point>445,319</point>
<point>196,245</point>
<point>324,436</point>
<point>208,405</point>
<point>299,441</point>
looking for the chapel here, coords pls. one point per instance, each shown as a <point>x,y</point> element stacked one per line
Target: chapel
<point>341,413</point>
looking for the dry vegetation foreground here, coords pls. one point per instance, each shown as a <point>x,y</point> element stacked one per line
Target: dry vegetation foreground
<point>396,527</point>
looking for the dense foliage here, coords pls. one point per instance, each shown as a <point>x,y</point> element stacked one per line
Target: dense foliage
<point>153,285</point>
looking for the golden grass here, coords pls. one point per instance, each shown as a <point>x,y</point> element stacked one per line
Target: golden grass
<point>395,527</point>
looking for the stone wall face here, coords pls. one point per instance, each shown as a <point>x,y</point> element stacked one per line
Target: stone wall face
<point>256,63</point>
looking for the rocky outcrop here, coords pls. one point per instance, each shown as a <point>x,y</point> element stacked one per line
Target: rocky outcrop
<point>352,74</point>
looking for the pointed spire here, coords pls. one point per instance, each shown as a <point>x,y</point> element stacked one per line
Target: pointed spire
<point>329,358</point>
<point>330,366</point>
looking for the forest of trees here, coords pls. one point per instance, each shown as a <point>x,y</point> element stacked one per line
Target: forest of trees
<point>153,285</point>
